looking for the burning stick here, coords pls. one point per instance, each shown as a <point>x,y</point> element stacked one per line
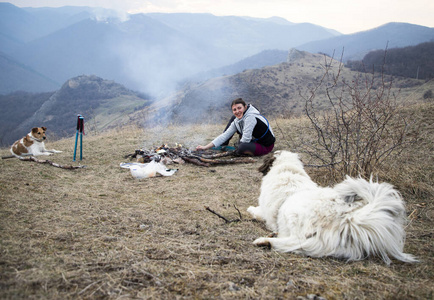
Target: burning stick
<point>244,160</point>
<point>210,159</point>
<point>218,155</point>
<point>195,161</point>
<point>222,161</point>
<point>200,159</point>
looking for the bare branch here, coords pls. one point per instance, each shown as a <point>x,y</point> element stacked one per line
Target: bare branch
<point>362,126</point>
<point>46,161</point>
<point>221,217</point>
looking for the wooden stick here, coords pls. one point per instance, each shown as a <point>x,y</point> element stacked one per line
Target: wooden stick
<point>7,157</point>
<point>224,161</point>
<point>195,161</point>
<point>217,155</point>
<point>46,161</point>
<point>239,213</point>
<point>205,160</point>
<point>13,156</point>
<point>220,216</point>
<point>245,160</point>
<point>241,160</point>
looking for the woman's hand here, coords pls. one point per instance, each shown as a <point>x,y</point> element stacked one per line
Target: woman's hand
<point>200,147</point>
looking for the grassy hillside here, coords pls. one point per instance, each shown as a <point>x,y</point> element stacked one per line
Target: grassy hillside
<point>278,90</point>
<point>413,61</point>
<point>99,233</point>
<point>103,103</point>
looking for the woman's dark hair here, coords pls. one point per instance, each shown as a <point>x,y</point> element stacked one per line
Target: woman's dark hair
<point>238,101</point>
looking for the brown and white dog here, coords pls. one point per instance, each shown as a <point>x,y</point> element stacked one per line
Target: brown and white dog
<point>32,144</point>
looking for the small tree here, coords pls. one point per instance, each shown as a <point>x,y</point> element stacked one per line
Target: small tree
<point>362,126</point>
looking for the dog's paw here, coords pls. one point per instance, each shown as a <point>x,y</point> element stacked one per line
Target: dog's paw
<point>250,210</point>
<point>42,153</point>
<point>53,151</point>
<point>262,242</point>
<point>254,212</point>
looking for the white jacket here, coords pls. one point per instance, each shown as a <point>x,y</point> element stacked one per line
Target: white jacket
<point>252,123</point>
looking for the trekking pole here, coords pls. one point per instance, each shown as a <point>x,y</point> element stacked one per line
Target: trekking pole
<point>76,136</point>
<point>81,118</point>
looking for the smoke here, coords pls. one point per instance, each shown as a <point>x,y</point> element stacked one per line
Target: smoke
<point>187,135</point>
<point>102,14</point>
<point>156,69</point>
<point>152,58</point>
<point>158,64</point>
<point>156,59</point>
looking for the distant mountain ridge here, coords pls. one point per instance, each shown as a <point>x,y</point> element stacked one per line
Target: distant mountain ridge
<point>246,36</point>
<point>26,24</point>
<point>257,61</point>
<point>156,53</point>
<point>412,61</point>
<point>147,52</point>
<point>276,90</point>
<point>16,76</point>
<point>106,102</point>
<point>355,46</point>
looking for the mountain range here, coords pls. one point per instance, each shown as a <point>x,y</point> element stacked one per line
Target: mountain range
<point>103,102</point>
<point>117,69</point>
<point>40,48</point>
<point>356,46</point>
<point>279,91</point>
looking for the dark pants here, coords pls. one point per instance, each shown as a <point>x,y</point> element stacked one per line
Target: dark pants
<point>248,148</point>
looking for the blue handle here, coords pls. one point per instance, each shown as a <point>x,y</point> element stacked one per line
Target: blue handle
<point>75,147</point>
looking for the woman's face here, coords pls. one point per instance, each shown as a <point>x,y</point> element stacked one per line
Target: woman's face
<point>238,110</point>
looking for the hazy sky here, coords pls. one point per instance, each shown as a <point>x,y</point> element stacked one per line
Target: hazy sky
<point>345,16</point>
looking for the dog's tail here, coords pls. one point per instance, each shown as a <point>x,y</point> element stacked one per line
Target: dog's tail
<point>378,226</point>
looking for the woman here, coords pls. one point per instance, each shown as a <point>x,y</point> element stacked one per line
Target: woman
<point>257,138</point>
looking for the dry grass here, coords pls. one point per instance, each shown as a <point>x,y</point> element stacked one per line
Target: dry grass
<point>99,233</point>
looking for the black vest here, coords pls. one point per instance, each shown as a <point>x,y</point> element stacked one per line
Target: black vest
<point>258,134</point>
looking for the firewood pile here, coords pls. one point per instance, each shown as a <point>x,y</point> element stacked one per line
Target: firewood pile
<point>180,155</point>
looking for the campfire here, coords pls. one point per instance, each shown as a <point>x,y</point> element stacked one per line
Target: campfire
<point>180,155</point>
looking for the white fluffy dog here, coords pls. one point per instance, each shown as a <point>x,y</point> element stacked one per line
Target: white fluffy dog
<point>353,220</point>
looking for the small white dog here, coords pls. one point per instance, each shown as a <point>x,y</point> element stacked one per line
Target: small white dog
<point>32,144</point>
<point>353,220</point>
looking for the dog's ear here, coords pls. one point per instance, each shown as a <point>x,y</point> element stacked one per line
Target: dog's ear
<point>44,128</point>
<point>35,130</point>
<point>267,164</point>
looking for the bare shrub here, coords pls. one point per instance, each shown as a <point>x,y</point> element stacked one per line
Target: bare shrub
<point>357,125</point>
<point>428,94</point>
